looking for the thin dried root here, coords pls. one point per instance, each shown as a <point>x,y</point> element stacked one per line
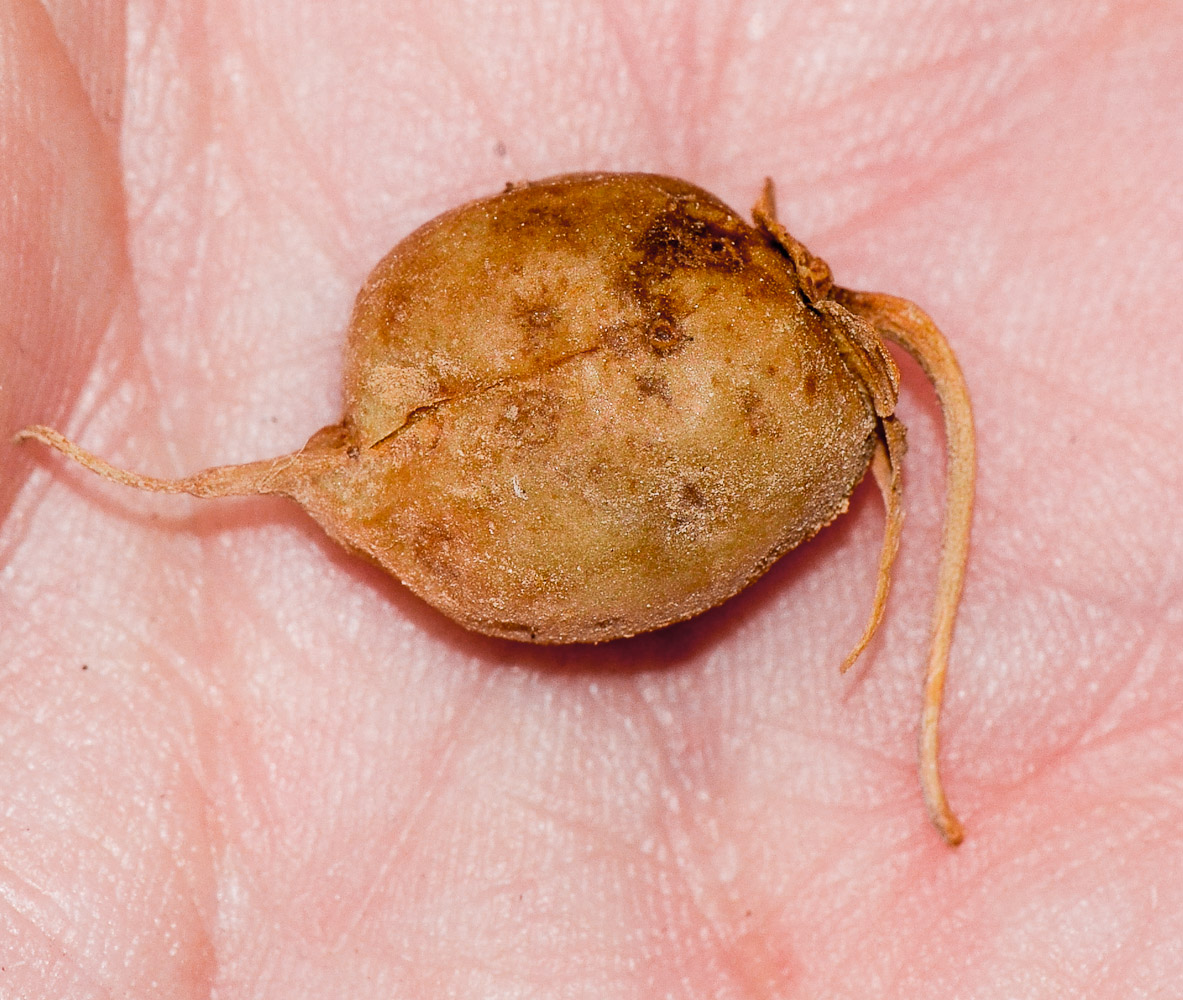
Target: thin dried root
<point>907,325</point>
<point>885,466</point>
<point>221,481</point>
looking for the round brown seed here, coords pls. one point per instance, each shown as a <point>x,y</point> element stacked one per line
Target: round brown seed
<point>594,405</point>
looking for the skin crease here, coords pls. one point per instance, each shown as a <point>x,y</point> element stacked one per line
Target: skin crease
<point>280,775</point>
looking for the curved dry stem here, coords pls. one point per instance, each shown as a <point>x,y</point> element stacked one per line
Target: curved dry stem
<point>885,466</point>
<point>909,326</point>
<point>221,481</point>
<point>813,273</point>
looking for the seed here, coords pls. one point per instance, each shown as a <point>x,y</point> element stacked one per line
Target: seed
<point>598,404</point>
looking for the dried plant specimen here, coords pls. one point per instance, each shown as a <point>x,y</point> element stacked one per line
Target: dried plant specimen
<point>598,404</point>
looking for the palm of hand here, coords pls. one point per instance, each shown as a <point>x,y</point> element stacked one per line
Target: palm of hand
<point>281,775</point>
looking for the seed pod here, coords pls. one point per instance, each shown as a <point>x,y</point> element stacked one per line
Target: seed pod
<point>594,405</point>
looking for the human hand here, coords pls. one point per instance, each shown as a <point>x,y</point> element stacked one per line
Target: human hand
<point>279,774</point>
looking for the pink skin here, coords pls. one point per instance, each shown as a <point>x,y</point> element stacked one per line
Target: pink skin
<point>236,761</point>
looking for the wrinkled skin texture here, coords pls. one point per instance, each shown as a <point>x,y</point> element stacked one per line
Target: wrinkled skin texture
<point>281,775</point>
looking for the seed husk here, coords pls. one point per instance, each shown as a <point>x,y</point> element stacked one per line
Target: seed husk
<point>598,404</point>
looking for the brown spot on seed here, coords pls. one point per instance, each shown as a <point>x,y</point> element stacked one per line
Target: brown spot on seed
<point>430,544</point>
<point>757,417</point>
<point>679,238</point>
<point>538,316</point>
<point>664,337</point>
<point>528,417</point>
<point>692,496</point>
<point>653,384</point>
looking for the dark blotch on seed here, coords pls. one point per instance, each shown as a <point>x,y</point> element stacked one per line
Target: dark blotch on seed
<point>536,314</point>
<point>664,337</point>
<point>529,417</point>
<point>692,496</point>
<point>430,545</point>
<point>690,504</point>
<point>653,384</point>
<point>678,239</point>
<point>545,220</point>
<point>756,415</point>
<point>682,238</point>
